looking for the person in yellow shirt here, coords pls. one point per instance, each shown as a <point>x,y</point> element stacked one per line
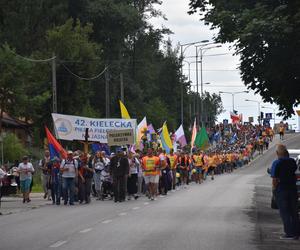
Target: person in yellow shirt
<point>211,165</point>
<point>281,132</point>
<point>173,158</point>
<point>198,164</point>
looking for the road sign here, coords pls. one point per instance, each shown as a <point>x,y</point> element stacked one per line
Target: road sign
<point>266,122</point>
<point>269,116</point>
<point>120,137</point>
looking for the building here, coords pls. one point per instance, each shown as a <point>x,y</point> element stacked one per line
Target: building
<point>18,127</point>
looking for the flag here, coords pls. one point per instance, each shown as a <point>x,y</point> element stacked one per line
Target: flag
<point>202,139</point>
<point>235,118</point>
<point>141,127</point>
<point>124,111</point>
<point>233,139</point>
<point>166,139</point>
<point>151,129</point>
<point>54,147</point>
<point>100,147</point>
<point>194,133</point>
<point>180,137</point>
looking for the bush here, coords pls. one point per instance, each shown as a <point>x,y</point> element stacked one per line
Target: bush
<point>13,149</point>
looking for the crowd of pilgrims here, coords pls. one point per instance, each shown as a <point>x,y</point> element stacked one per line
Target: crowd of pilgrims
<point>127,175</point>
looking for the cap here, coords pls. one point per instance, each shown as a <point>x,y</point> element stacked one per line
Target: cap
<point>70,152</point>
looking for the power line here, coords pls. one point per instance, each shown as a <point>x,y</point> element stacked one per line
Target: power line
<point>85,78</point>
<point>32,60</point>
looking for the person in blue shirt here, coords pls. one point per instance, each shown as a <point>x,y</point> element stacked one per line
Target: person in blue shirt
<point>284,184</point>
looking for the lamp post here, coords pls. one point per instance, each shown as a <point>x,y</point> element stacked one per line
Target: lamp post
<point>183,48</point>
<point>259,114</point>
<point>233,94</point>
<point>202,49</point>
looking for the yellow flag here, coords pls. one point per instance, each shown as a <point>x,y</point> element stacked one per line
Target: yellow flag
<point>124,112</point>
<point>165,139</point>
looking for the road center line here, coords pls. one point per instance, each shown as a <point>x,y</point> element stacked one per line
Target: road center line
<point>85,230</point>
<point>58,244</point>
<point>106,221</point>
<point>122,214</point>
<point>135,208</point>
<point>146,203</point>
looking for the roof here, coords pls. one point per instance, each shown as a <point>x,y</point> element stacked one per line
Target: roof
<point>14,122</point>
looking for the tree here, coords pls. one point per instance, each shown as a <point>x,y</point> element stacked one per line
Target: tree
<point>12,82</point>
<point>267,37</point>
<point>13,149</point>
<point>77,57</point>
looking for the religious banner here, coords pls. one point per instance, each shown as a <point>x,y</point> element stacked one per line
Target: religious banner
<point>68,127</point>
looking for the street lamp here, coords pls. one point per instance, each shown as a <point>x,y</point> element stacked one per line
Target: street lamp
<point>259,114</point>
<point>182,50</point>
<point>202,49</point>
<point>233,94</point>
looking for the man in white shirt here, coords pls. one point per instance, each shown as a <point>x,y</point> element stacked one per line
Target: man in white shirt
<point>69,169</point>
<point>25,169</point>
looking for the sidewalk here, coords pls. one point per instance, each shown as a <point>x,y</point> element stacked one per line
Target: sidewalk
<point>268,222</point>
<point>14,204</point>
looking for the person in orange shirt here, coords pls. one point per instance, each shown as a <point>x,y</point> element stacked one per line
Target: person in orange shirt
<point>173,158</point>
<point>150,165</point>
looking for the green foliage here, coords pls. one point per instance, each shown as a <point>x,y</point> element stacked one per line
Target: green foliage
<point>13,149</point>
<point>86,36</point>
<point>267,37</point>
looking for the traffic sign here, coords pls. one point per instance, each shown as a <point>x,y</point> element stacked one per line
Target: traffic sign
<point>269,116</point>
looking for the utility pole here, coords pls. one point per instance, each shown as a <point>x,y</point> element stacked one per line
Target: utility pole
<point>197,89</point>
<point>54,87</point>
<point>107,94</point>
<point>122,87</point>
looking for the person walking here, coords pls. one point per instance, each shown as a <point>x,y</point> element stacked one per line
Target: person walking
<point>150,164</point>
<point>46,174</point>
<point>55,181</point>
<point>69,169</point>
<point>132,187</point>
<point>119,168</point>
<point>173,165</point>
<point>25,170</point>
<point>85,174</point>
<point>284,184</point>
<point>99,163</point>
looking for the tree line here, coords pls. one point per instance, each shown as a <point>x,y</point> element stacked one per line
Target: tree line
<point>86,37</point>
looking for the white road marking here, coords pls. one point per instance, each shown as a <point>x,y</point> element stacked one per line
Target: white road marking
<point>106,221</point>
<point>122,214</point>
<point>135,208</point>
<point>146,203</point>
<point>58,244</point>
<point>85,230</point>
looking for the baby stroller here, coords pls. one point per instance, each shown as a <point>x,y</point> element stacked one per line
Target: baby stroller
<point>106,184</point>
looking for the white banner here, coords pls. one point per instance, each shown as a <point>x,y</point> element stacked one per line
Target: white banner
<point>71,128</point>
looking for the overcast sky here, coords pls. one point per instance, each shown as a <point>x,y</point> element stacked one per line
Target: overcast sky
<point>219,70</point>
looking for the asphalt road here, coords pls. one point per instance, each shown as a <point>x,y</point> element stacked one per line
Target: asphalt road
<point>212,216</point>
